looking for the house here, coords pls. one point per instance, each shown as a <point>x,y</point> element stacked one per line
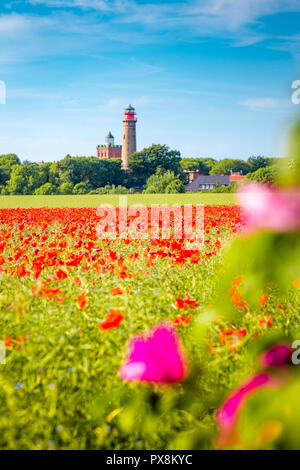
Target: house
<point>236,176</point>
<point>109,149</point>
<point>204,182</point>
<point>193,174</point>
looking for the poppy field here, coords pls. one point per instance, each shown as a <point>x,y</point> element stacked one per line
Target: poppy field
<point>121,344</point>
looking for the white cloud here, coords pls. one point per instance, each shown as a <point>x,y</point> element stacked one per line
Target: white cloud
<point>64,30</point>
<point>260,104</point>
<point>238,21</point>
<point>239,13</point>
<point>92,4</point>
<point>13,24</point>
<point>28,37</point>
<point>228,15</point>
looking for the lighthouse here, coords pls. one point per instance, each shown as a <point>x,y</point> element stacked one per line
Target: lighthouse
<point>129,135</point>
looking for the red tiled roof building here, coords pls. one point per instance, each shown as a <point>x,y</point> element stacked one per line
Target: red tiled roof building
<point>109,149</point>
<point>236,176</point>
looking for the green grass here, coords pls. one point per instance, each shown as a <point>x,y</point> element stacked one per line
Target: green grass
<point>11,202</point>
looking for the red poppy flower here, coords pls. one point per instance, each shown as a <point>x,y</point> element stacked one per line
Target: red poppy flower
<point>8,342</point>
<point>187,302</point>
<point>181,320</point>
<point>21,271</point>
<point>241,332</point>
<point>112,320</point>
<point>180,303</point>
<point>236,299</point>
<point>82,301</point>
<point>263,300</point>
<point>61,275</point>
<point>116,291</point>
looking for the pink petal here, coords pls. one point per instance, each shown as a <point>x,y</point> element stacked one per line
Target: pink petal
<point>132,371</point>
<point>161,354</point>
<point>226,416</point>
<point>268,208</point>
<point>278,356</point>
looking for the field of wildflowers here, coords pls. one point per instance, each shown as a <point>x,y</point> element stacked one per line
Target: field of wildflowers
<point>150,344</point>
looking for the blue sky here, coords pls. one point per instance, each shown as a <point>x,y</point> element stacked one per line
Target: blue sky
<point>207,77</point>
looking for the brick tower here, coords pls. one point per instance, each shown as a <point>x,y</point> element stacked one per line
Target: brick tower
<point>129,135</point>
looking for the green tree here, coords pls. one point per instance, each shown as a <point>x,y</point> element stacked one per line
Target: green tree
<point>46,189</point>
<point>264,175</point>
<point>81,188</point>
<point>66,188</point>
<point>26,178</point>
<point>222,167</point>
<point>16,183</point>
<point>144,164</point>
<point>176,186</point>
<point>257,162</point>
<point>225,166</point>
<point>164,183</point>
<point>105,190</point>
<point>193,164</point>
<point>118,190</point>
<point>208,163</point>
<point>54,173</point>
<point>97,173</point>
<point>242,166</point>
<point>7,163</point>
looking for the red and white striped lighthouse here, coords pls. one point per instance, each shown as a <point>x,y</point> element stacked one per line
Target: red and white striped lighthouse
<point>129,135</point>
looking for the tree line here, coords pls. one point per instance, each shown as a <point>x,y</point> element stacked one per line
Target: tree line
<point>154,169</point>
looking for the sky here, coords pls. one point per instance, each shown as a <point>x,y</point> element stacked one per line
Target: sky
<point>210,78</point>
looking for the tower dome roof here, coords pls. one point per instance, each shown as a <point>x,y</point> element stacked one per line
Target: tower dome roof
<point>109,135</point>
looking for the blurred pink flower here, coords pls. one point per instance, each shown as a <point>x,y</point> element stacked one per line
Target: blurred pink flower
<point>156,357</point>
<point>278,356</point>
<point>267,208</point>
<point>227,416</point>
